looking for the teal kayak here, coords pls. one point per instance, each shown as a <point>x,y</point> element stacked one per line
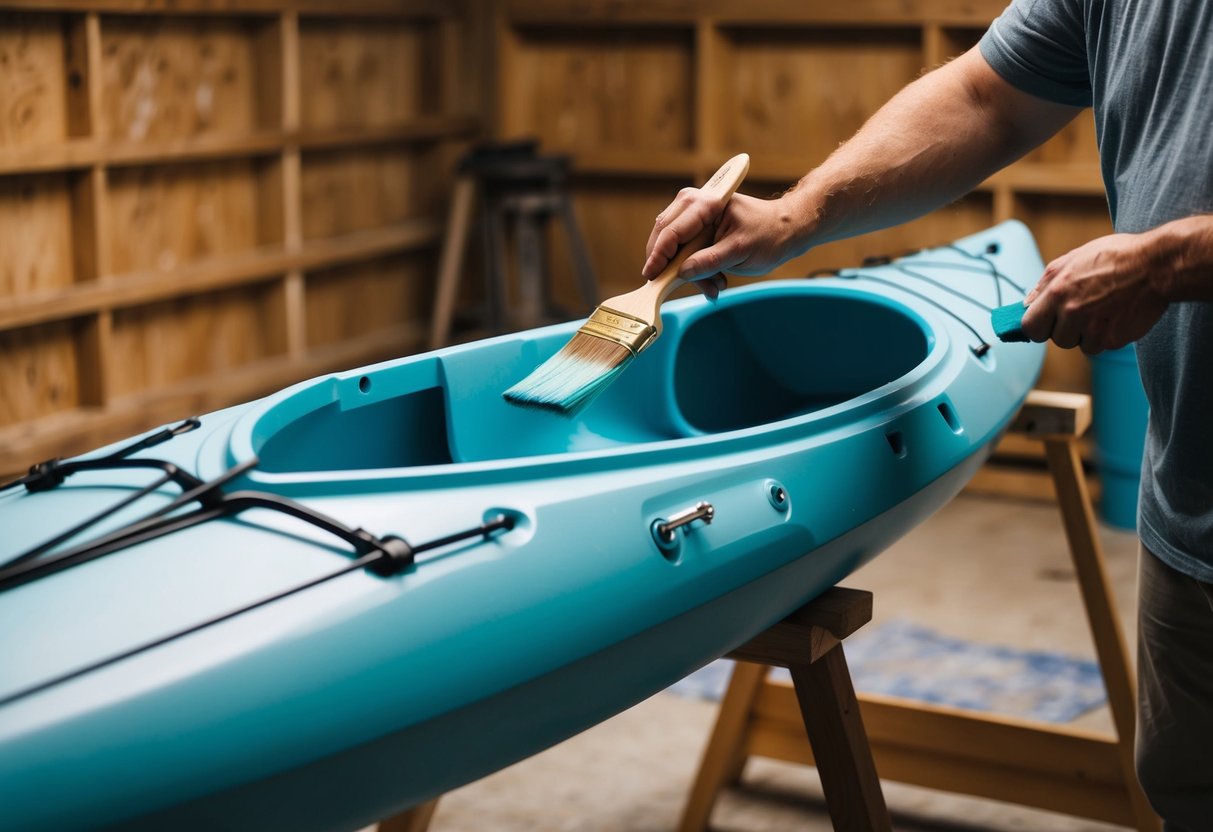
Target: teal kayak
<point>316,609</point>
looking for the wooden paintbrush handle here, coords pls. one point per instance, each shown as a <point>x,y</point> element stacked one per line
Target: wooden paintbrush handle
<point>721,185</point>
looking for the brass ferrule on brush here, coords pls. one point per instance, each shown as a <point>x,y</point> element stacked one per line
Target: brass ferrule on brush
<point>628,331</point>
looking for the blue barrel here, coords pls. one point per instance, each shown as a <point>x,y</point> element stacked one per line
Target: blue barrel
<point>1120,412</point>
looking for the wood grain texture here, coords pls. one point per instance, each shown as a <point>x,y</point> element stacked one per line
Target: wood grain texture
<point>364,73</point>
<point>173,78</point>
<point>35,234</point>
<point>786,88</point>
<point>349,302</point>
<point>37,373</point>
<point>33,85</point>
<point>207,335</point>
<point>345,191</point>
<point>167,217</point>
<point>587,89</point>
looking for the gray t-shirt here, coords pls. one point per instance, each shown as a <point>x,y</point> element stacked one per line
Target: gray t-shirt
<point>1146,67</point>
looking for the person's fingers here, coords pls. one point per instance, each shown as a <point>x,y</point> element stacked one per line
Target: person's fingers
<point>719,257</point>
<point>1039,319</point>
<point>687,216</point>
<point>1051,271</point>
<point>711,287</point>
<point>1067,331</point>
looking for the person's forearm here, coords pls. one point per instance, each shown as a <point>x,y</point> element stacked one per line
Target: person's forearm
<point>1184,248</point>
<point>930,144</point>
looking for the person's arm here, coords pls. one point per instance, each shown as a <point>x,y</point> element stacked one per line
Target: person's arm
<point>1110,291</point>
<point>930,144</point>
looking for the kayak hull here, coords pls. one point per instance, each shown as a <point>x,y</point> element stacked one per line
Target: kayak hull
<point>821,419</point>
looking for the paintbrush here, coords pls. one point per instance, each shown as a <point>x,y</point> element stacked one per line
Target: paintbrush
<point>621,327</point>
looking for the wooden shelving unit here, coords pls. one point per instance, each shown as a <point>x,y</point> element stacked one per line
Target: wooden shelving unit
<point>203,202</point>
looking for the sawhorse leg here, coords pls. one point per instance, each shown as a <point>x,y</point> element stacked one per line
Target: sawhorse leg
<point>808,643</point>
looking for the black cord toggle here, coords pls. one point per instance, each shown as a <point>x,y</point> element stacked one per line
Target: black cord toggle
<point>45,475</point>
<point>397,554</point>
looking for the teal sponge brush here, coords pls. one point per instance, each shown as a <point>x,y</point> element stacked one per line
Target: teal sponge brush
<point>1008,322</point>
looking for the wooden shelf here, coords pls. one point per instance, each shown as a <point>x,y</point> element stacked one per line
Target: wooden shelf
<point>84,153</point>
<point>762,13</point>
<point>217,273</point>
<point>397,9</point>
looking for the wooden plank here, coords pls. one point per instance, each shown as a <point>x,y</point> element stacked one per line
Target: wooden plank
<point>346,301</point>
<point>216,273</point>
<point>362,73</point>
<point>757,12</point>
<point>388,9</point>
<point>1059,768</point>
<point>812,631</point>
<point>1053,414</point>
<point>841,751</point>
<point>34,103</point>
<point>1099,602</point>
<point>35,237</point>
<point>76,154</point>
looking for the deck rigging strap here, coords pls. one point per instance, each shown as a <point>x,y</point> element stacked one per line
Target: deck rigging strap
<point>384,556</point>
<point>370,560</point>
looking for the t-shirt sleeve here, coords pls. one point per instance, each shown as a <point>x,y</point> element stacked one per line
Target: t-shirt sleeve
<point>1040,47</point>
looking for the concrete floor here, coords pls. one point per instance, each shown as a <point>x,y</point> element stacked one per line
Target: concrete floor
<point>983,569</point>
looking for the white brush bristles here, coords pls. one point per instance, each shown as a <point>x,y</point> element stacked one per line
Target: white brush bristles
<point>573,377</point>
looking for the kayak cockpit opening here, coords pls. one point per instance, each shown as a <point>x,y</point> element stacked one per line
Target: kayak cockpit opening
<point>763,354</point>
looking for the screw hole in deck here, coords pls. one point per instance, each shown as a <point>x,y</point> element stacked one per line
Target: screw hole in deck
<point>364,384</point>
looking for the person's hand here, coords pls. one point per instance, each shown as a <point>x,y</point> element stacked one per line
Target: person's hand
<point>1100,296</point>
<point>752,236</point>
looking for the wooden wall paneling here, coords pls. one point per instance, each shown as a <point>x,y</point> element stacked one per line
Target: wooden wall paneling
<point>35,234</point>
<point>616,217</point>
<point>389,294</point>
<point>33,87</point>
<point>364,72</point>
<point>152,198</point>
<point>352,190</point>
<point>159,345</point>
<point>622,89</point>
<point>165,217</point>
<point>712,61</point>
<point>38,375</point>
<point>786,91</point>
<point>174,78</point>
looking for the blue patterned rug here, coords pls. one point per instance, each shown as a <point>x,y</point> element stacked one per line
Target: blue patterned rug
<point>904,659</point>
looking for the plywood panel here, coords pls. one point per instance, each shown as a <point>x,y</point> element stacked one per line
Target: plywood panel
<point>366,72</point>
<point>804,91</point>
<point>163,217</point>
<point>33,89</point>
<point>168,78</point>
<point>353,191</point>
<point>599,88</point>
<point>160,344</point>
<point>37,373</point>
<point>35,234</point>
<point>615,218</point>
<point>353,301</point>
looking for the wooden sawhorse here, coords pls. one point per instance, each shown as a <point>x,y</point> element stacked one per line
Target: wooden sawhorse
<point>1059,768</point>
<point>807,642</point>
